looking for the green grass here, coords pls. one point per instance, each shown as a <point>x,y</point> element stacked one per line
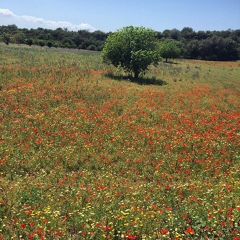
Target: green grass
<point>87,153</point>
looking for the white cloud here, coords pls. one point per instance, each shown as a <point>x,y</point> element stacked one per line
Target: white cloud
<point>6,13</point>
<point>47,23</point>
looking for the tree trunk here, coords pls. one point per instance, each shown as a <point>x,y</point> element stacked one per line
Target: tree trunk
<point>136,74</point>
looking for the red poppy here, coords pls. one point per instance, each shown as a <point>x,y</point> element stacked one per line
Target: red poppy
<point>190,230</point>
<point>129,236</point>
<point>22,225</point>
<point>107,228</point>
<point>31,235</point>
<point>32,224</point>
<point>163,231</point>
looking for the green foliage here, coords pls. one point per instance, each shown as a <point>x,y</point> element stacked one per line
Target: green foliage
<point>59,37</point>
<point>205,45</point>
<point>29,42</point>
<point>31,195</point>
<point>6,38</point>
<point>218,48</point>
<point>49,44</point>
<point>41,43</point>
<point>18,38</point>
<point>169,49</point>
<point>91,47</point>
<point>131,48</point>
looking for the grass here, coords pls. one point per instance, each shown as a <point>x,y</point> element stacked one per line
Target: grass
<point>86,153</point>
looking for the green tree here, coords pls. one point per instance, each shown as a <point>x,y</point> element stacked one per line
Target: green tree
<point>49,44</point>
<point>29,42</point>
<point>192,49</point>
<point>131,48</point>
<point>40,43</point>
<point>175,34</point>
<point>91,47</point>
<point>18,38</point>
<point>169,49</point>
<point>6,38</point>
<point>188,33</point>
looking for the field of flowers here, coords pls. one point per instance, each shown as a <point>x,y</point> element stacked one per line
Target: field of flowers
<point>85,153</point>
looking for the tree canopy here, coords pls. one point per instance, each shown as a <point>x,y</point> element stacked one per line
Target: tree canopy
<point>207,45</point>
<point>6,38</point>
<point>131,48</point>
<point>169,49</point>
<point>59,37</point>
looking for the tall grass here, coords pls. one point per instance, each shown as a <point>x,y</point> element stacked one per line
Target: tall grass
<point>86,153</point>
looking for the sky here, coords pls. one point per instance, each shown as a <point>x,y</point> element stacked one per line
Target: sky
<point>110,15</point>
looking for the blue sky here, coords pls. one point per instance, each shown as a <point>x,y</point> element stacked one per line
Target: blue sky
<point>109,15</point>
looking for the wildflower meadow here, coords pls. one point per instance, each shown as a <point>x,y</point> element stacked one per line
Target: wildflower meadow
<point>87,153</point>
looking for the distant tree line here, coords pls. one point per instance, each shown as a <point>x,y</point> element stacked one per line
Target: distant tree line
<point>206,45</point>
<point>59,37</point>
